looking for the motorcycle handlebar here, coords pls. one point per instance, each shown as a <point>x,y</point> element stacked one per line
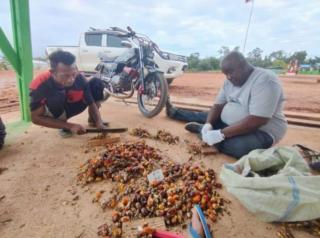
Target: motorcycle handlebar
<point>132,33</point>
<point>124,35</point>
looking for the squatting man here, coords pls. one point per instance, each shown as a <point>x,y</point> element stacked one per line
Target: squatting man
<point>61,93</point>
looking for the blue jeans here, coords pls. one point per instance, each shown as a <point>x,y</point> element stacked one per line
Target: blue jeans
<point>236,146</point>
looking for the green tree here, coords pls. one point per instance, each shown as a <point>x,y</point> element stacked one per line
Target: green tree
<point>193,61</point>
<point>197,64</point>
<point>255,57</point>
<point>279,55</point>
<point>279,64</point>
<point>266,62</point>
<point>223,51</point>
<point>204,65</point>
<point>275,59</point>
<point>313,61</point>
<point>300,56</point>
<point>214,63</point>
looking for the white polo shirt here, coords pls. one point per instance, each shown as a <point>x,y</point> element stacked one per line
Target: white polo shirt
<point>261,95</point>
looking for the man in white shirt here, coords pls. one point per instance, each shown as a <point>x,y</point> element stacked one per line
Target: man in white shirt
<point>247,113</point>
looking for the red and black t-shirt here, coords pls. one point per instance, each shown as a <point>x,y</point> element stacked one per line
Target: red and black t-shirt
<point>71,100</point>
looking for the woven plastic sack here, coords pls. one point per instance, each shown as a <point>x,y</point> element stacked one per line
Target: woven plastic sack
<point>274,184</point>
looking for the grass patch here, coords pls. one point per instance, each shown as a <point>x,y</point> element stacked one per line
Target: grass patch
<point>310,72</point>
<point>14,129</point>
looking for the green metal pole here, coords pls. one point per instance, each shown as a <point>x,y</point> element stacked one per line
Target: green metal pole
<point>15,43</point>
<point>9,52</point>
<point>22,42</point>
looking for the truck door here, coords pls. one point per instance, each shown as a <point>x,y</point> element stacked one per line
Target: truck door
<point>90,50</point>
<point>114,47</point>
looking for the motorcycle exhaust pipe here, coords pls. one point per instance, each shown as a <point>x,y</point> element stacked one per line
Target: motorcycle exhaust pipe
<point>116,95</point>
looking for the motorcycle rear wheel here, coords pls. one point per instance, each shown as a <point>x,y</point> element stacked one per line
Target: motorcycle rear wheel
<point>156,88</point>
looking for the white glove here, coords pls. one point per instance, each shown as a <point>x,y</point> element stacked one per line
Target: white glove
<point>206,127</point>
<point>213,137</point>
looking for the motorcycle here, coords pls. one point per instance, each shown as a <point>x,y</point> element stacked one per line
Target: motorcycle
<point>135,70</point>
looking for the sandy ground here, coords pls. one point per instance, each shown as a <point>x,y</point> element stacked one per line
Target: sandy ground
<point>40,184</point>
<point>8,92</point>
<point>302,93</point>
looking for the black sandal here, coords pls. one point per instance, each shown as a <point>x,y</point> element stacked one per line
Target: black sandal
<point>312,156</point>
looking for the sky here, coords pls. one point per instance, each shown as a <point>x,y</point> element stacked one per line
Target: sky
<point>178,26</point>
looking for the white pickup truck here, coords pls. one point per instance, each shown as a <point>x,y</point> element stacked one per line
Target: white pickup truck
<point>95,45</point>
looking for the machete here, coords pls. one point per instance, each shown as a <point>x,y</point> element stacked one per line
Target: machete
<point>106,130</point>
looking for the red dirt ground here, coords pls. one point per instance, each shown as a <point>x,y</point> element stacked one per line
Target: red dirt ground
<point>36,191</point>
<point>301,94</point>
<point>40,196</point>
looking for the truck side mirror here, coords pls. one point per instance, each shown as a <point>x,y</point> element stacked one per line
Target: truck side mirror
<point>126,43</point>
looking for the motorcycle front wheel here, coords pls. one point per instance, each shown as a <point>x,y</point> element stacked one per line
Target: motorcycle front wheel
<point>154,96</point>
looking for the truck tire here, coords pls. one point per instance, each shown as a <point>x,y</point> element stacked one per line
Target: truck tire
<point>170,80</point>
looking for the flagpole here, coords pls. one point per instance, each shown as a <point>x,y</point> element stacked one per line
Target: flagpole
<point>246,36</point>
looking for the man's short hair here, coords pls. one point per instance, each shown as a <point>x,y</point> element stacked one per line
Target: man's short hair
<point>60,56</point>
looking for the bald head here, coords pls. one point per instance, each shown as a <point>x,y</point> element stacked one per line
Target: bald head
<point>237,69</point>
<point>234,58</point>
